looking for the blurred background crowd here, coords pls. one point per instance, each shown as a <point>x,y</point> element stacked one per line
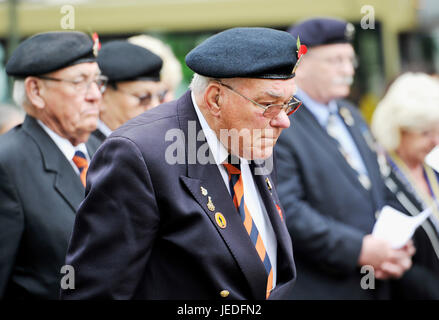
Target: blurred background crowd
<point>392,38</point>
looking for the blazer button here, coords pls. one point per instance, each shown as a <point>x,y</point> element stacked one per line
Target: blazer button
<point>224,293</point>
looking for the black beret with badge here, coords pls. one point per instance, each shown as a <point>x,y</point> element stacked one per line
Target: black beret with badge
<point>245,53</point>
<point>322,31</point>
<point>124,61</point>
<point>50,51</point>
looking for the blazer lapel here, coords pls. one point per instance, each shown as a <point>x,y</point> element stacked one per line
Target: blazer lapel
<point>366,154</point>
<point>66,181</point>
<point>233,234</point>
<point>285,260</point>
<point>327,143</point>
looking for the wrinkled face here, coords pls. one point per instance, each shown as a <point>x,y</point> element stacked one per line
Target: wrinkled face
<point>131,98</point>
<point>72,110</point>
<point>245,130</point>
<point>326,72</point>
<point>415,145</point>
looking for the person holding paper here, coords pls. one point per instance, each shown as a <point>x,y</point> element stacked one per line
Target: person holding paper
<point>329,180</point>
<point>406,125</point>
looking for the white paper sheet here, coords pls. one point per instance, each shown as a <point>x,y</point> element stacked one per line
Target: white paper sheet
<point>396,227</point>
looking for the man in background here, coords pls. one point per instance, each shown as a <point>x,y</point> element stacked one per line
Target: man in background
<point>44,161</point>
<point>329,180</point>
<point>171,74</point>
<point>134,84</point>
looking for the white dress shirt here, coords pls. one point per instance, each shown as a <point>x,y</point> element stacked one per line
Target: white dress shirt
<point>67,149</point>
<point>103,128</point>
<point>252,197</point>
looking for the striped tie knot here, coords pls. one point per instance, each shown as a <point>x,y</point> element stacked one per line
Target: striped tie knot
<point>81,162</point>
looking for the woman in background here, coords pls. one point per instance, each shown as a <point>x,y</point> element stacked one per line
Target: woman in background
<point>406,126</point>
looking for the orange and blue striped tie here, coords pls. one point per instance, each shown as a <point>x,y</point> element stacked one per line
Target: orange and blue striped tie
<point>81,162</point>
<point>237,193</point>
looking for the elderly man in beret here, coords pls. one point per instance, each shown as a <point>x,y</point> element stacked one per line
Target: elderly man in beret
<point>329,180</point>
<point>174,210</point>
<point>133,86</point>
<point>43,162</point>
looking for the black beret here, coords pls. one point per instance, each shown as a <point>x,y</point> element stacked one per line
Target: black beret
<point>124,61</point>
<point>245,53</point>
<point>50,51</point>
<point>321,31</point>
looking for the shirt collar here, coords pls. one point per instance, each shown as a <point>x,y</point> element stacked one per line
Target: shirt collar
<point>104,128</point>
<point>63,144</point>
<point>319,110</point>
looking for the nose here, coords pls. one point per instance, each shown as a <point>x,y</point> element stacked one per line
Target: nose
<point>280,121</point>
<point>348,67</point>
<point>93,93</point>
<point>155,101</point>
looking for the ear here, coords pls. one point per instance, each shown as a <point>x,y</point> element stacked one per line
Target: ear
<point>34,90</point>
<point>212,99</point>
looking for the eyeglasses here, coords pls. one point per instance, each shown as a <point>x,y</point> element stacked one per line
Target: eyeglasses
<point>82,86</point>
<point>146,99</point>
<point>272,110</point>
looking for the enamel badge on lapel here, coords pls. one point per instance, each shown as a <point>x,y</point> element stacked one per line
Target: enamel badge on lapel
<point>210,204</point>
<point>267,181</point>
<point>220,220</point>
<point>203,191</point>
<point>279,210</point>
<point>347,116</point>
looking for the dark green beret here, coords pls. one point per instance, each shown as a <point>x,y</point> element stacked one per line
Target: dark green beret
<point>245,53</point>
<point>50,51</point>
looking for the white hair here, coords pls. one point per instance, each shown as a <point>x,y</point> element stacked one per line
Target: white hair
<point>199,83</point>
<point>9,114</point>
<point>171,72</point>
<point>411,103</point>
<point>19,93</point>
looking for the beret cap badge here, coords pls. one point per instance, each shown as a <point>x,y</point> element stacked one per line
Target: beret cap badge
<point>349,31</point>
<point>301,51</point>
<point>96,44</point>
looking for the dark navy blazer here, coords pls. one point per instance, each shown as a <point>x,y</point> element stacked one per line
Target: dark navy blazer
<point>39,195</point>
<point>145,231</point>
<point>328,211</point>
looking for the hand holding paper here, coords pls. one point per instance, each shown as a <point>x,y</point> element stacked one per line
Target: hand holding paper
<point>396,227</point>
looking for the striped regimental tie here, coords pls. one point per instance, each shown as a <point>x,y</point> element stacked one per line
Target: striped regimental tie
<point>332,131</point>
<point>237,193</point>
<point>81,162</point>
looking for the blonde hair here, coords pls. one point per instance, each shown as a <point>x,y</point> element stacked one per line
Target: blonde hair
<point>171,72</point>
<point>411,103</point>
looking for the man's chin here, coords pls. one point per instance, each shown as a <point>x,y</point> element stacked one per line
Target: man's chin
<point>263,154</point>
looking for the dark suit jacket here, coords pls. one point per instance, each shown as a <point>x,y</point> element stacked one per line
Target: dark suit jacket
<point>422,280</point>
<point>98,134</point>
<point>39,194</point>
<point>144,230</point>
<point>328,211</point>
